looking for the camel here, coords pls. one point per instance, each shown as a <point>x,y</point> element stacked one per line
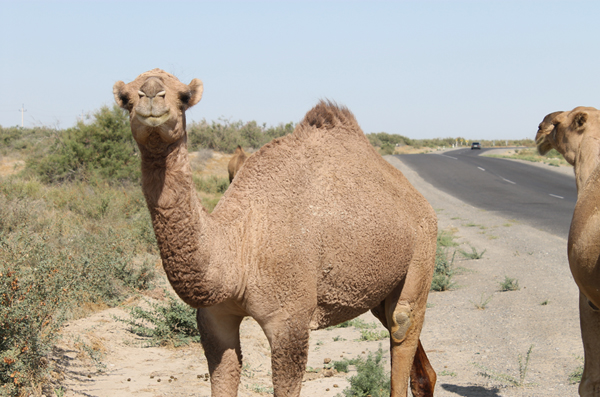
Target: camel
<point>296,242</point>
<point>236,162</point>
<point>576,135</point>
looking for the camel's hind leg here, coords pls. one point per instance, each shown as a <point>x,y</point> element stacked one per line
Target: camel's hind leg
<point>402,313</point>
<point>220,337</point>
<point>590,332</point>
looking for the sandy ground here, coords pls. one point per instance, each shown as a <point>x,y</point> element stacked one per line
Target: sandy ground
<point>463,343</point>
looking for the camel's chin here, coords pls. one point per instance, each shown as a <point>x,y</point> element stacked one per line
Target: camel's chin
<point>543,148</point>
<point>153,121</point>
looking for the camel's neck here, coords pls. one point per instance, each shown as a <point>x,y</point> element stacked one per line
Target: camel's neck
<point>587,160</point>
<point>181,225</point>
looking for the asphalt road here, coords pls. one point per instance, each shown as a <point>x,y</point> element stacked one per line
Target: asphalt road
<point>536,196</point>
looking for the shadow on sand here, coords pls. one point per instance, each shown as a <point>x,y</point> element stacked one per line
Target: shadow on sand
<point>471,391</point>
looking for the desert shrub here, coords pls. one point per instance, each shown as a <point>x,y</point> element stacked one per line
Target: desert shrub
<point>379,139</point>
<point>103,149</point>
<point>387,149</point>
<point>368,335</point>
<point>444,263</point>
<point>170,323</point>
<point>24,141</point>
<point>225,135</point>
<point>371,379</point>
<point>62,249</point>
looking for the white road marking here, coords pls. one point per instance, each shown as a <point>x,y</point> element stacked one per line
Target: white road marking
<point>443,155</point>
<point>482,169</point>
<point>554,195</point>
<point>506,180</point>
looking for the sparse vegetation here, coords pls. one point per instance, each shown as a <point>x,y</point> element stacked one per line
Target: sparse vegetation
<point>577,373</point>
<point>509,284</point>
<point>444,267</point>
<point>369,335</point>
<point>173,323</point>
<point>356,323</point>
<point>473,254</point>
<point>371,379</point>
<point>553,157</point>
<point>508,379</point>
<point>482,303</point>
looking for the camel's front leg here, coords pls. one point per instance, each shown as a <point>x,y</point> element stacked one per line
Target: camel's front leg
<point>220,333</point>
<point>289,352</point>
<point>590,333</point>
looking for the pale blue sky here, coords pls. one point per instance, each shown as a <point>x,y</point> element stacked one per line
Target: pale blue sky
<point>423,69</point>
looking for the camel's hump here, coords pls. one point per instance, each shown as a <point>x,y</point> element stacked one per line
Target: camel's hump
<point>328,115</point>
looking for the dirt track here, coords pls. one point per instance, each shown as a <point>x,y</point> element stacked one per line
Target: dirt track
<point>461,341</point>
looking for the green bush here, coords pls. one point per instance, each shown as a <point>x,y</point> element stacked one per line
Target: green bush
<point>226,135</point>
<point>104,149</point>
<point>371,379</point>
<point>171,323</point>
<point>62,249</point>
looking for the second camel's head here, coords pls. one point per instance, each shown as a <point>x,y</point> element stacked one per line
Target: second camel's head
<point>157,101</point>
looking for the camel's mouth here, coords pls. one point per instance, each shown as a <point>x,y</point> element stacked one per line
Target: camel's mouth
<point>543,146</point>
<point>152,121</point>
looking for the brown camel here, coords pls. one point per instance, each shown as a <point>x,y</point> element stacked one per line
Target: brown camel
<point>297,242</point>
<point>576,135</point>
<point>236,162</point>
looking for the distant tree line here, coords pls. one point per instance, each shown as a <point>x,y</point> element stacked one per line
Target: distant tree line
<point>104,148</point>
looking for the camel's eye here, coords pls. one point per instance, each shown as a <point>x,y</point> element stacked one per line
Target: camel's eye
<point>141,94</point>
<point>162,94</point>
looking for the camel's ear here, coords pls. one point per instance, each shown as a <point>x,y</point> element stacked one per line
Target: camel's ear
<point>121,96</point>
<point>580,119</point>
<point>193,95</point>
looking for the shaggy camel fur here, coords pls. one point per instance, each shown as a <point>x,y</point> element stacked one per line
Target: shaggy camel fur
<point>236,162</point>
<point>297,242</point>
<point>576,135</point>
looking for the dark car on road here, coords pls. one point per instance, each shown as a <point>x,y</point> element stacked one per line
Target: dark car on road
<point>475,145</point>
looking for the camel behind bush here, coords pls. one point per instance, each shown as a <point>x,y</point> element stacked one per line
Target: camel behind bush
<point>297,242</point>
<point>576,135</point>
<point>236,162</point>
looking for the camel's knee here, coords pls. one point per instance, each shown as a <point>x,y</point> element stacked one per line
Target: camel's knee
<point>402,319</point>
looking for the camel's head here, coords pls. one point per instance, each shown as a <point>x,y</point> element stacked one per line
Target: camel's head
<point>544,139</point>
<point>567,130</point>
<point>157,101</point>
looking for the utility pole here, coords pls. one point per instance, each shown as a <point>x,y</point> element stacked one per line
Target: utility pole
<point>22,110</point>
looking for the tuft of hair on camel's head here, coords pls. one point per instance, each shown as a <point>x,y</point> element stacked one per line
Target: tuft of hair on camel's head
<point>157,101</point>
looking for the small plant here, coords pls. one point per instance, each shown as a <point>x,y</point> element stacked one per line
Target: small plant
<point>260,388</point>
<point>577,373</point>
<point>173,323</point>
<point>443,271</point>
<point>473,254</point>
<point>371,379</point>
<point>509,284</point>
<point>544,303</point>
<point>368,335</point>
<point>357,323</point>
<point>338,338</point>
<point>447,373</point>
<point>483,302</point>
<point>520,381</point>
